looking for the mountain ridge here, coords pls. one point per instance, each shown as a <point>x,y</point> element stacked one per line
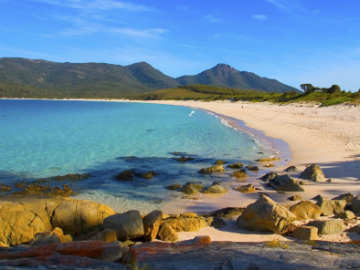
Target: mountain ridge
<point>38,77</point>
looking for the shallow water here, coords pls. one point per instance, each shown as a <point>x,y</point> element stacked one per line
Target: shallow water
<point>44,138</point>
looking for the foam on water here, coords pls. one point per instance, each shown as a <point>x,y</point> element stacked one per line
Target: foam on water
<point>46,138</point>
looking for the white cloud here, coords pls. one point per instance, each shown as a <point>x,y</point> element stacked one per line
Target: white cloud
<point>281,4</point>
<point>96,4</point>
<point>259,17</point>
<point>212,19</point>
<point>140,33</point>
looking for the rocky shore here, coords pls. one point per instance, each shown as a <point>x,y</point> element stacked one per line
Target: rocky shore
<point>65,233</point>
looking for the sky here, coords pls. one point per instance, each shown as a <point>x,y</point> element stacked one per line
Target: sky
<point>294,41</point>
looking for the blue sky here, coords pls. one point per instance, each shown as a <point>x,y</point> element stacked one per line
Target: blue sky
<point>294,41</point>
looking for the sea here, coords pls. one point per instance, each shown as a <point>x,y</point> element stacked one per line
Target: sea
<point>44,138</point>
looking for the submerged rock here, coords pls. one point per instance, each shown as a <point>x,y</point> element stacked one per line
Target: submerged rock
<point>252,168</point>
<point>67,177</point>
<point>213,169</point>
<point>192,188</point>
<point>4,188</point>
<point>237,165</point>
<point>220,162</point>
<point>268,159</point>
<point>313,173</point>
<point>266,215</point>
<point>240,174</point>
<point>126,175</point>
<point>215,189</point>
<point>306,210</point>
<point>128,225</point>
<point>174,187</point>
<point>184,159</point>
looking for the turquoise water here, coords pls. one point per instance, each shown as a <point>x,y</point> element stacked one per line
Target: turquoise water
<point>41,138</point>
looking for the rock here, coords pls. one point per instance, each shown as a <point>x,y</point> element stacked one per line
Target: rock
<point>79,216</point>
<point>152,223</point>
<point>295,197</point>
<point>188,214</point>
<point>266,215</point>
<point>306,233</point>
<point>269,176</point>
<point>128,225</point>
<point>252,168</point>
<point>313,173</point>
<point>269,165</point>
<point>184,159</point>
<point>20,221</point>
<point>56,236</point>
<point>227,213</point>
<point>219,162</point>
<point>167,233</point>
<point>191,188</point>
<point>218,223</point>
<point>237,165</point>
<point>213,169</point>
<point>240,174</point>
<point>126,175</point>
<point>332,226</point>
<point>106,235</point>
<point>330,207</point>
<point>306,210</point>
<point>68,177</point>
<point>347,214</point>
<point>348,197</point>
<point>355,205</point>
<point>174,187</point>
<point>187,224</point>
<point>285,183</point>
<point>355,229</point>
<point>290,169</point>
<point>4,188</point>
<point>215,189</point>
<point>250,188</point>
<point>146,175</point>
<point>268,159</point>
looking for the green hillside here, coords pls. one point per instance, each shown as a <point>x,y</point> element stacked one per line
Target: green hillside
<point>226,76</point>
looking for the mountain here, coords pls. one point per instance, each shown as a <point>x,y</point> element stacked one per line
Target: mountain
<point>226,76</point>
<point>20,77</point>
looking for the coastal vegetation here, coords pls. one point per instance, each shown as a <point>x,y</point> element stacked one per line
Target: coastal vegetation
<point>324,96</point>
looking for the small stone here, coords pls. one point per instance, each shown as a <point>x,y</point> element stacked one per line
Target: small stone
<point>252,168</point>
<point>250,188</point>
<point>191,188</point>
<point>240,174</point>
<point>313,173</point>
<point>215,189</point>
<point>213,169</point>
<point>291,169</point>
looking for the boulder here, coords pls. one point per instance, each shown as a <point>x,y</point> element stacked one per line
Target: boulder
<point>240,174</point>
<point>184,159</point>
<point>227,213</point>
<point>128,225</point>
<point>295,197</point>
<point>266,215</point>
<point>306,233</point>
<point>250,188</point>
<point>330,207</point>
<point>213,169</point>
<point>191,188</point>
<point>306,210</point>
<point>79,216</point>
<point>56,236</point>
<point>348,197</point>
<point>290,169</point>
<point>355,205</point>
<point>347,214</point>
<point>236,165</point>
<point>106,235</point>
<point>167,233</point>
<point>313,173</point>
<point>285,183</point>
<point>333,226</point>
<point>187,223</point>
<point>269,177</point>
<point>152,223</point>
<point>215,189</point>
